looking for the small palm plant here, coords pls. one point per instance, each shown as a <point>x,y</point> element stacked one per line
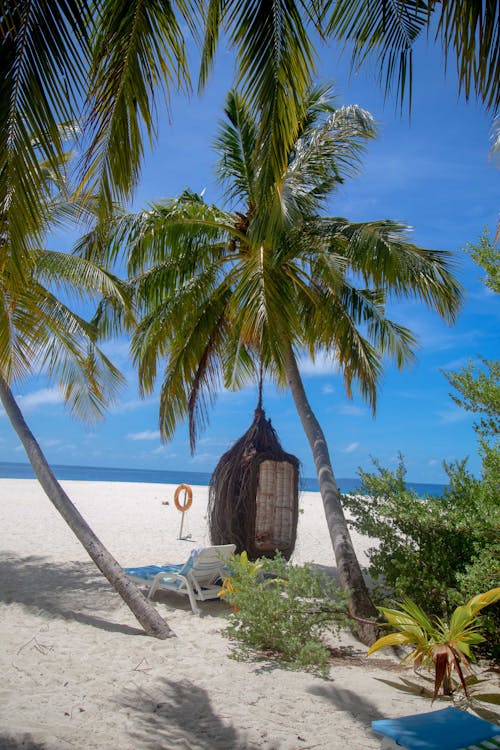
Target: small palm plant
<point>439,646</point>
<point>243,569</point>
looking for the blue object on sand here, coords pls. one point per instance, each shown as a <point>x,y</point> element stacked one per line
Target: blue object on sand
<point>447,729</point>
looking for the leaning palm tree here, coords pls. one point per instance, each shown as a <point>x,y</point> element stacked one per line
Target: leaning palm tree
<point>40,332</point>
<point>223,292</point>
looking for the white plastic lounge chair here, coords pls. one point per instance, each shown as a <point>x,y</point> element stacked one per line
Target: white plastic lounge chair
<point>199,578</point>
<point>447,729</point>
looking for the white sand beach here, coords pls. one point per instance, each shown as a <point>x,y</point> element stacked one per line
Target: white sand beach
<point>77,672</point>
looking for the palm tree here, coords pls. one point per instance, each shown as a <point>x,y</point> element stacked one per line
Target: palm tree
<point>225,292</point>
<point>39,331</point>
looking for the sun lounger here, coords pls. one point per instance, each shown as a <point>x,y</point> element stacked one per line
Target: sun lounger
<point>199,577</point>
<point>447,729</point>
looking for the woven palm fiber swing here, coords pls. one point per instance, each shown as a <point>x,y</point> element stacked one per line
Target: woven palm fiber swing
<point>253,494</point>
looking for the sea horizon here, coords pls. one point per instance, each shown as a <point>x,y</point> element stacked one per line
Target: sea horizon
<point>15,470</point>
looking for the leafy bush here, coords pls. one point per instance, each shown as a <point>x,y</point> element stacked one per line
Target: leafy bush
<point>282,611</point>
<point>442,550</point>
<point>425,545</point>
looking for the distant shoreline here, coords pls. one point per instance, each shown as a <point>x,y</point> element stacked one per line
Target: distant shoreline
<point>14,470</point>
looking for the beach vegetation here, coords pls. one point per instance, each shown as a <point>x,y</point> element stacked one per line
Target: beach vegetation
<point>441,646</point>
<point>412,533</point>
<point>282,612</point>
<point>226,292</point>
<point>440,550</point>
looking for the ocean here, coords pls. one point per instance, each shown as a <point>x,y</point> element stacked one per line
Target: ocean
<point>157,476</point>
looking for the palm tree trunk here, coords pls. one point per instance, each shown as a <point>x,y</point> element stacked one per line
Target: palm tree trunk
<point>143,610</point>
<point>351,579</point>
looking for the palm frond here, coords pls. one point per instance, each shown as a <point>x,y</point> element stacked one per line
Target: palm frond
<point>388,30</point>
<point>137,46</point>
<point>79,276</point>
<point>194,375</point>
<point>472,30</point>
<point>378,251</point>
<point>43,60</point>
<point>46,334</point>
<point>276,62</point>
<point>235,144</point>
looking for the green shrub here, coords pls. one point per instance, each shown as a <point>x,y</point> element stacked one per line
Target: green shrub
<point>442,550</point>
<point>282,611</point>
<point>438,551</point>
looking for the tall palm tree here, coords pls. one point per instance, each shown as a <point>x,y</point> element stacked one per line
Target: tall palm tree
<point>39,331</point>
<point>225,291</point>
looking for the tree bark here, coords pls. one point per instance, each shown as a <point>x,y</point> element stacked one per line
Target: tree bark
<point>141,607</point>
<point>349,570</point>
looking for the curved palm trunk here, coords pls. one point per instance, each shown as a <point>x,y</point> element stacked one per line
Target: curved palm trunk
<point>349,570</point>
<point>143,610</point>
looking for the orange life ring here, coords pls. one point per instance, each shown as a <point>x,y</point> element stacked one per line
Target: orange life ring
<point>188,497</point>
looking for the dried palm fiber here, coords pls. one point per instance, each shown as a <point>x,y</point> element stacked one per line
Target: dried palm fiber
<point>253,494</point>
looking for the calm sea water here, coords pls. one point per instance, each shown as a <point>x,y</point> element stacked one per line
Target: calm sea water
<point>156,476</point>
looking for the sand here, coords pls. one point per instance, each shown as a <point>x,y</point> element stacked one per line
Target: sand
<point>77,672</point>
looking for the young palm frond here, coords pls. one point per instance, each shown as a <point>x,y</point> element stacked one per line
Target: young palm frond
<point>236,144</point>
<point>322,158</point>
<point>438,645</point>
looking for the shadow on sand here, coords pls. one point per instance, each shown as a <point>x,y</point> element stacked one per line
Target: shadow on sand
<point>76,591</point>
<point>69,590</point>
<point>22,742</point>
<point>361,709</point>
<point>181,715</point>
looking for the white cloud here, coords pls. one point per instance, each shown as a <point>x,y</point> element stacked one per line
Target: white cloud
<point>145,435</point>
<point>51,443</point>
<point>163,451</point>
<point>328,390</point>
<point>323,364</point>
<point>454,364</point>
<point>352,411</point>
<point>450,416</point>
<point>43,397</point>
<point>350,448</point>
<point>132,405</point>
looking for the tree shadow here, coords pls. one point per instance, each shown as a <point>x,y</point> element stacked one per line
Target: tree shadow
<point>180,714</point>
<point>361,709</point>
<point>209,608</point>
<point>69,590</point>
<point>331,572</point>
<point>21,742</point>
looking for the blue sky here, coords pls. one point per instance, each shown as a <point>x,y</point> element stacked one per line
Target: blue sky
<point>431,171</point>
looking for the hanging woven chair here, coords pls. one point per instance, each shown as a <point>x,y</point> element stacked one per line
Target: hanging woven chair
<point>253,494</point>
